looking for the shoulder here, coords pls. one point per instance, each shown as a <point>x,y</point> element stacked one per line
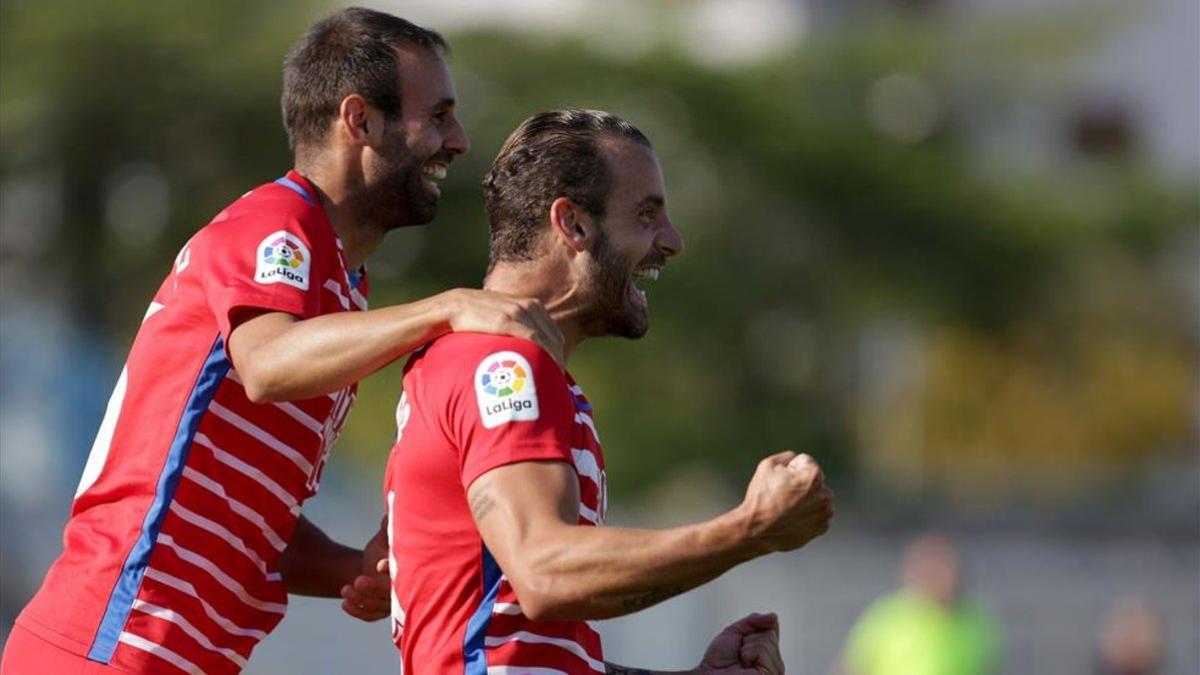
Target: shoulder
<point>475,359</point>
<point>470,347</point>
<point>266,211</point>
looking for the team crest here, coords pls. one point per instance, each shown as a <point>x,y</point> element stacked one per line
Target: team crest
<point>505,390</point>
<point>283,259</point>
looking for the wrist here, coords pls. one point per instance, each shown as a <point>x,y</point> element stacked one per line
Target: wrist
<point>447,305</point>
<point>741,523</point>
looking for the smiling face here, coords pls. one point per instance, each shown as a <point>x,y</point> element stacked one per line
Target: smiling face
<point>633,241</point>
<point>402,172</point>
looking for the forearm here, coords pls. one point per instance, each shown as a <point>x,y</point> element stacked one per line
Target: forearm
<point>315,565</point>
<point>320,355</point>
<point>603,572</point>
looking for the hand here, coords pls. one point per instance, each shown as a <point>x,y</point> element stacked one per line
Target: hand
<point>500,314</point>
<point>787,503</point>
<point>750,645</point>
<point>369,596</point>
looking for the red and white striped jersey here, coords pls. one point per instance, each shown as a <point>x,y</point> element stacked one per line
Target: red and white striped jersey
<point>473,403</point>
<point>191,492</point>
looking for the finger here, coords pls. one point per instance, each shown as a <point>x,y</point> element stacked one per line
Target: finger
<point>377,584</point>
<point>762,655</point>
<point>549,333</point>
<point>753,623</point>
<point>361,613</point>
<point>382,565</point>
<point>779,459</point>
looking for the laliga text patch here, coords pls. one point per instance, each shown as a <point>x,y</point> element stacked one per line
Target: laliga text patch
<point>505,390</point>
<point>283,259</point>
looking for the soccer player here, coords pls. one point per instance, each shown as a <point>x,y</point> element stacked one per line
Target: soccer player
<point>496,485</point>
<point>185,535</point>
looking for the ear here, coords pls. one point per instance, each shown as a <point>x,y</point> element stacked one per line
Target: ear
<point>571,224</point>
<point>356,120</point>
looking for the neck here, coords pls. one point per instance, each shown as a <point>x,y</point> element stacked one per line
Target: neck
<point>359,237</point>
<point>535,280</point>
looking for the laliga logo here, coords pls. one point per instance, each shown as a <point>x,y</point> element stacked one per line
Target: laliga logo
<point>502,380</point>
<point>506,390</point>
<point>283,258</point>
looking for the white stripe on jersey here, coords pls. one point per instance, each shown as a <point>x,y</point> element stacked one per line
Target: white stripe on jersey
<point>562,643</point>
<point>300,416</point>
<point>251,472</point>
<point>509,608</point>
<point>221,531</point>
<point>221,577</point>
<point>161,652</point>
<point>235,506</point>
<point>586,464</point>
<point>524,670</point>
<point>336,288</point>
<point>359,301</point>
<point>290,409</point>
<point>586,420</point>
<point>195,633</point>
<point>262,435</point>
<point>588,514</point>
<point>100,447</point>
<point>186,587</point>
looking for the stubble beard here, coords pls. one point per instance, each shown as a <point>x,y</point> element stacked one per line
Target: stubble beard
<point>610,312</point>
<point>396,197</point>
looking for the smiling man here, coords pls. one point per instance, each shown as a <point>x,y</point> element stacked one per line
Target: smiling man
<point>185,535</point>
<point>496,487</point>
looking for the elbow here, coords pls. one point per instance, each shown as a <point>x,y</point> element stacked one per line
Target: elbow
<point>259,388</point>
<point>542,598</point>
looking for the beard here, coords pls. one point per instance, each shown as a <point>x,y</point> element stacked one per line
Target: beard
<point>394,195</point>
<point>609,309</point>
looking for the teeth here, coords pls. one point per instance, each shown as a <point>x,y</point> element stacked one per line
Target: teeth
<point>650,273</point>
<point>434,171</point>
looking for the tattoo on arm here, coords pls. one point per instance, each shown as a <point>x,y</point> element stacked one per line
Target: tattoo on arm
<point>653,597</point>
<point>614,669</point>
<point>481,502</point>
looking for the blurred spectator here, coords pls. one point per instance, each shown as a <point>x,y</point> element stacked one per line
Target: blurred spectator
<point>1131,640</point>
<point>926,627</point>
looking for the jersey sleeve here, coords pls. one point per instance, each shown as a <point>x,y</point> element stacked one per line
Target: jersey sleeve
<point>264,265</point>
<point>517,407</point>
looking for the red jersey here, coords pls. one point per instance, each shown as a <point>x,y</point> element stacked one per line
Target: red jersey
<point>171,555</point>
<point>472,403</point>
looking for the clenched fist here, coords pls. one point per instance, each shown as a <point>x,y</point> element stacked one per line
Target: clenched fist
<point>787,504</point>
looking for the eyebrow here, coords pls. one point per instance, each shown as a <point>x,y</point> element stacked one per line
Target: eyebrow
<point>656,200</point>
<point>447,102</point>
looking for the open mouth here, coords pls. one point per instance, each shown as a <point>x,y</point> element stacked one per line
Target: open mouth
<point>641,278</point>
<point>432,174</point>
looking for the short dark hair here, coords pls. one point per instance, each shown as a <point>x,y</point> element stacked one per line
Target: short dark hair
<point>352,51</point>
<point>553,154</point>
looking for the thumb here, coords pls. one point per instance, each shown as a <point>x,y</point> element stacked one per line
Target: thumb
<point>382,566</point>
<point>780,458</point>
<point>754,623</point>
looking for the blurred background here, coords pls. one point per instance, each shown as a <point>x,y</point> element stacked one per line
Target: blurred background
<point>951,248</point>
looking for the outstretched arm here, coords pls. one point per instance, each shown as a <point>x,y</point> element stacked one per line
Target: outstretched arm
<point>527,514</point>
<point>282,358</point>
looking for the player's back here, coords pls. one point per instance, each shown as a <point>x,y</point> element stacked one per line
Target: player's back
<point>472,403</point>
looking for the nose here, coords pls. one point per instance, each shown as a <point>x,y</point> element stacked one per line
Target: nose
<point>669,241</point>
<point>456,142</point>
